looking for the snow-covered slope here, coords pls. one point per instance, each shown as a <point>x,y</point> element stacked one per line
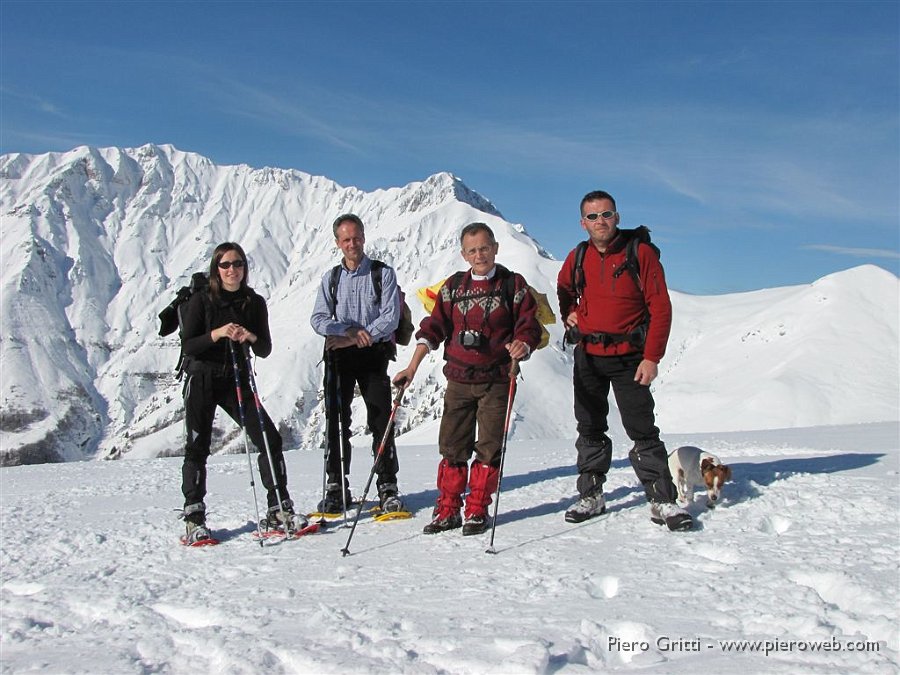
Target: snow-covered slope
<point>96,241</point>
<point>794,572</point>
<point>822,353</point>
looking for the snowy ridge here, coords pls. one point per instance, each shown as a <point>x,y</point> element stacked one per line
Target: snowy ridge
<point>96,241</point>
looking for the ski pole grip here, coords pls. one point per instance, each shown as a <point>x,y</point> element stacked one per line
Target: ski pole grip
<point>401,389</point>
<point>513,369</point>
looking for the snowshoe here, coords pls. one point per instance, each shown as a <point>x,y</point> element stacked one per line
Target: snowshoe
<point>196,532</point>
<point>198,535</point>
<point>333,504</point>
<point>382,516</point>
<point>277,518</point>
<point>391,506</point>
<point>279,533</point>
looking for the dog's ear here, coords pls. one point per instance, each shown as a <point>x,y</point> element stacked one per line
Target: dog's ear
<point>727,472</point>
<point>706,464</point>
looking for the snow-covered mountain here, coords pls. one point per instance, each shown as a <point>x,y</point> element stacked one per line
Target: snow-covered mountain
<point>95,242</point>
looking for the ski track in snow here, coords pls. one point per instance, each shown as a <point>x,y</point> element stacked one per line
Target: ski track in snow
<point>804,547</point>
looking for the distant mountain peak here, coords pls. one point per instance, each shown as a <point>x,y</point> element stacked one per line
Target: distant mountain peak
<point>440,188</point>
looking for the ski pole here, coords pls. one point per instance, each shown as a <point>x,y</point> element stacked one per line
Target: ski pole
<point>329,422</point>
<point>513,371</point>
<point>288,522</point>
<point>398,399</point>
<point>240,400</point>
<point>339,405</point>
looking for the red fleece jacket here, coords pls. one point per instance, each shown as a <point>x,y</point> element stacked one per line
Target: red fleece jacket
<point>618,305</point>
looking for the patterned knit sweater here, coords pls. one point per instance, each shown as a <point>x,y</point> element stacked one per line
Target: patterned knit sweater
<point>479,307</point>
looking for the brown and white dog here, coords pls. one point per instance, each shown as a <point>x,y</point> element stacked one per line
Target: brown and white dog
<point>691,467</point>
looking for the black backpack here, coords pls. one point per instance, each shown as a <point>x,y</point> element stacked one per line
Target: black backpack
<point>405,329</point>
<point>170,319</point>
<point>639,235</point>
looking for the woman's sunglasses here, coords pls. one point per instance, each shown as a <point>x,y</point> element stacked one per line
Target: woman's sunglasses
<point>225,264</point>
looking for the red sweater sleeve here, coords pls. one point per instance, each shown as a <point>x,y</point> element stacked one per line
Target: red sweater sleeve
<point>659,305</point>
<point>565,291</point>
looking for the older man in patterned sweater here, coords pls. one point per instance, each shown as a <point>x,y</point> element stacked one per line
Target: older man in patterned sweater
<point>485,317</point>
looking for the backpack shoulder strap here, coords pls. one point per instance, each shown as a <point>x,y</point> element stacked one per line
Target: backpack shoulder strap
<point>507,286</point>
<point>454,282</point>
<point>636,237</point>
<point>578,268</point>
<point>206,301</point>
<point>631,255</point>
<point>332,288</point>
<point>377,266</point>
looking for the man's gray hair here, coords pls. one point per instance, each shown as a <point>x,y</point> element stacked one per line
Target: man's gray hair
<point>475,228</point>
<point>348,218</point>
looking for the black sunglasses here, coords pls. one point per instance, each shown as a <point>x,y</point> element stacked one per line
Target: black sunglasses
<point>606,215</point>
<point>225,264</point>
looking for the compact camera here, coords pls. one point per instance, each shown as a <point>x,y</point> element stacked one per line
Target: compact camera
<point>471,339</point>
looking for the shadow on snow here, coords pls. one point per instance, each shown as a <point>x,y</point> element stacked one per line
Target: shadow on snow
<point>748,477</point>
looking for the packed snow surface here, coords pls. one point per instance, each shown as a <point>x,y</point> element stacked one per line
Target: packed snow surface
<point>795,571</point>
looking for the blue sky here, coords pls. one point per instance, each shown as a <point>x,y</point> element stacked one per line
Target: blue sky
<point>757,140</point>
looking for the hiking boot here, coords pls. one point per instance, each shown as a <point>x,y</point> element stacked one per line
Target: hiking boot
<point>450,520</point>
<point>334,501</point>
<point>475,524</point>
<point>586,507</point>
<point>196,533</point>
<point>671,515</point>
<point>390,498</point>
<point>285,518</point>
<point>194,516</point>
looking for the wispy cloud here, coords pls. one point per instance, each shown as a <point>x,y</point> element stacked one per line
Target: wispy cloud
<point>717,158</point>
<point>13,139</point>
<point>283,113</point>
<point>745,168</point>
<point>293,108</point>
<point>855,252</point>
<point>34,102</point>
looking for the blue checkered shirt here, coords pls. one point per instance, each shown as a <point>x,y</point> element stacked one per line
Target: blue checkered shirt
<point>356,304</point>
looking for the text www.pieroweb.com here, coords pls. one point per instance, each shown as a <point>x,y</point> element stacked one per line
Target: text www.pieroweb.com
<point>766,647</point>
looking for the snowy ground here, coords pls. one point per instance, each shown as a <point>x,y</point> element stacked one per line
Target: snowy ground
<point>801,559</point>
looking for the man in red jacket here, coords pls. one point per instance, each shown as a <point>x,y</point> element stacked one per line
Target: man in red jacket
<point>484,317</point>
<point>619,322</point>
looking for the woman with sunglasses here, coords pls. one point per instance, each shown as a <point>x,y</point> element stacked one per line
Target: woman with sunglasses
<point>229,311</point>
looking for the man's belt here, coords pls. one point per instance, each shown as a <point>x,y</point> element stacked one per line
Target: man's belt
<point>637,337</point>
